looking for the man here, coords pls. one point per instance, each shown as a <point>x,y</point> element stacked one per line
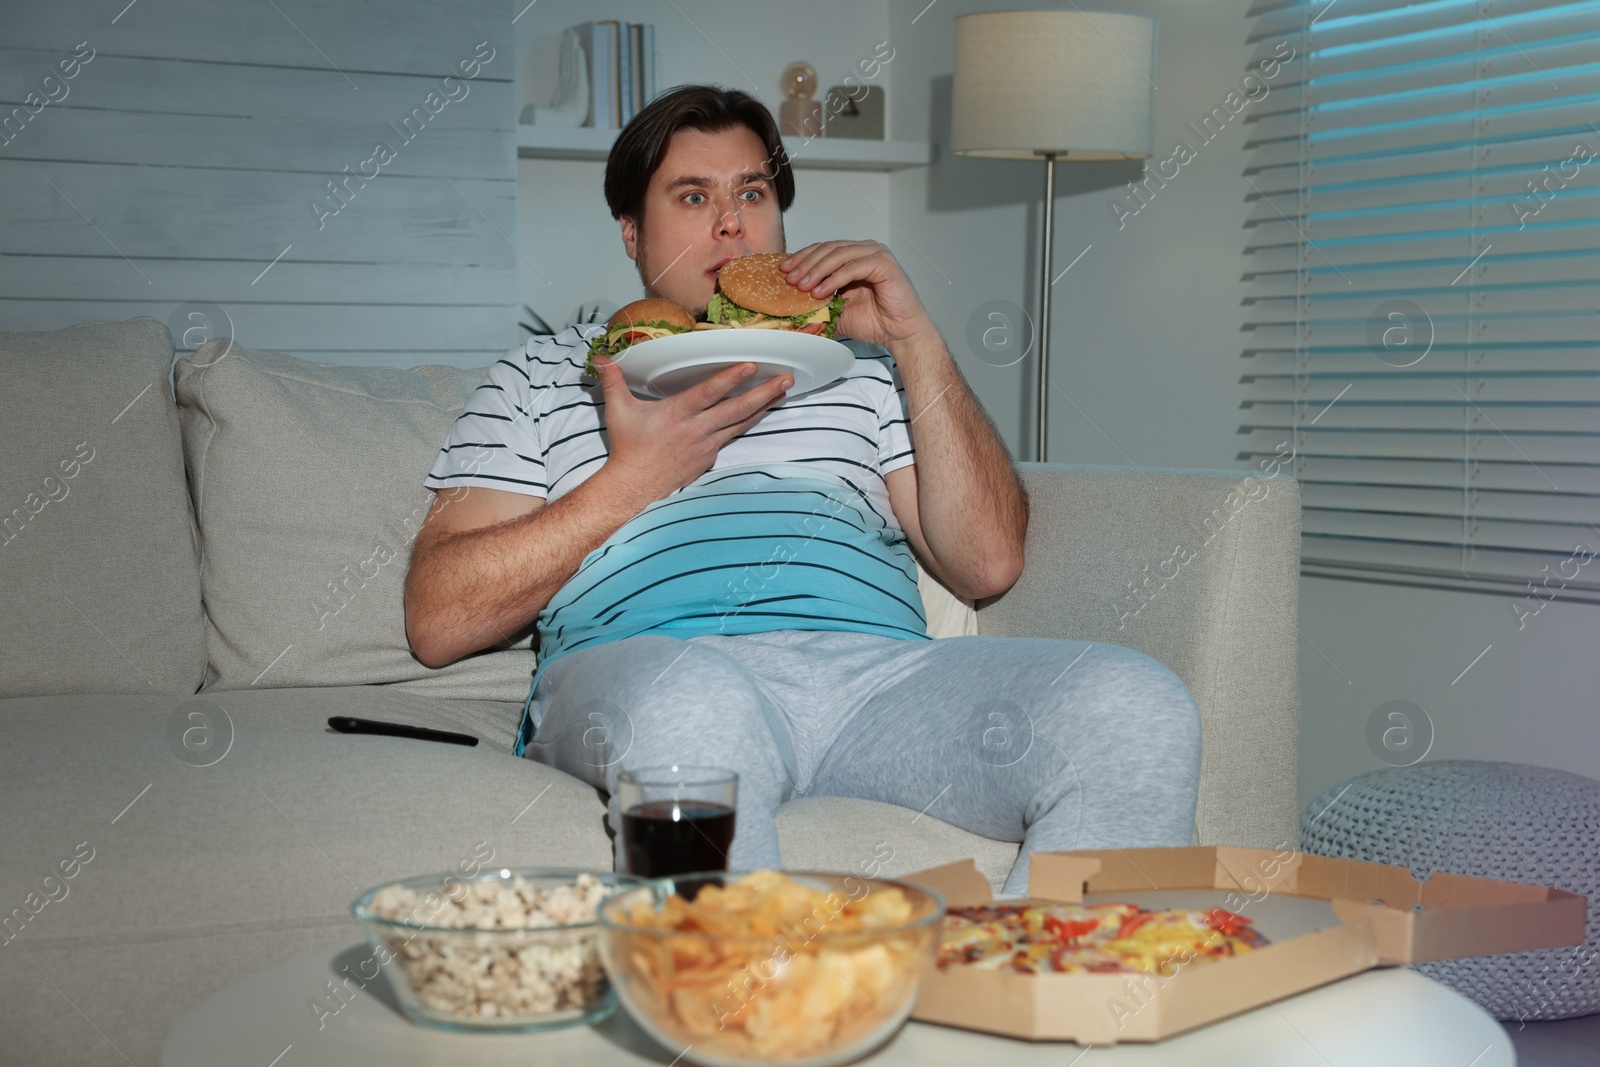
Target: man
<point>731,581</point>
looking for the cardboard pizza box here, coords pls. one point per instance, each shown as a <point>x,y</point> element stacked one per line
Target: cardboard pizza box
<point>1325,919</point>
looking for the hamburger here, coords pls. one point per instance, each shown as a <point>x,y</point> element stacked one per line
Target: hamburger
<point>754,294</point>
<point>642,320</point>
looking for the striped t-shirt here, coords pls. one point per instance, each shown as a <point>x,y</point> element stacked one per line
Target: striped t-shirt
<point>791,527</point>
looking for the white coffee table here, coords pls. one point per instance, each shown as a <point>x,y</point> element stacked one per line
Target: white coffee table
<point>1387,1016</point>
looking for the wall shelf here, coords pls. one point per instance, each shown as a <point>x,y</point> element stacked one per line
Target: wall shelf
<point>818,153</point>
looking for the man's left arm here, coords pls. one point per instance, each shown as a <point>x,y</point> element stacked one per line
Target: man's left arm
<point>961,504</point>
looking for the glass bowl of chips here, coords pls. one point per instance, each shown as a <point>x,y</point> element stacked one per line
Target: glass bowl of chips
<point>799,968</point>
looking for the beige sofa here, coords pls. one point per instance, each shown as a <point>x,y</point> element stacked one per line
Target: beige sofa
<point>194,585</point>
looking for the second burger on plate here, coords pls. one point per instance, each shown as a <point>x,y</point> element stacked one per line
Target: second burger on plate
<point>642,320</point>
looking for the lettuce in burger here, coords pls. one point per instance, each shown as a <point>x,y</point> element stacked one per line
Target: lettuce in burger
<point>642,320</point>
<point>754,294</point>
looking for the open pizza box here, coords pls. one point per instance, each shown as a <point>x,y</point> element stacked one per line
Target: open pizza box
<point>1324,919</point>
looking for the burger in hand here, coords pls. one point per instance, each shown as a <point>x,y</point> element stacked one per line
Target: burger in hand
<point>642,320</point>
<point>754,294</point>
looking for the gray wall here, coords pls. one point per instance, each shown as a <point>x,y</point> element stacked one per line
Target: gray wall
<point>185,155</point>
<point>1145,331</point>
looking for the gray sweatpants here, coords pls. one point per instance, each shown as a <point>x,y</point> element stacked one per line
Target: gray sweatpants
<point>1056,744</point>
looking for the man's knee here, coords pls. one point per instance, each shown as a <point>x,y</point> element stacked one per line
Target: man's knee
<point>663,698</point>
<point>652,670</point>
<point>1132,699</point>
<point>1139,753</point>
<point>1155,697</point>
<point>1153,685</point>
<point>690,682</point>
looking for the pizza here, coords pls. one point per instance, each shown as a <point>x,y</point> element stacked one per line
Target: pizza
<point>1090,938</point>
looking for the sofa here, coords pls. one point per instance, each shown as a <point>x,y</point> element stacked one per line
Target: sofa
<point>204,560</point>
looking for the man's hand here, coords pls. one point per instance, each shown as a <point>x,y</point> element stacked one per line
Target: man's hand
<point>663,445</point>
<point>884,309</point>
<point>964,498</point>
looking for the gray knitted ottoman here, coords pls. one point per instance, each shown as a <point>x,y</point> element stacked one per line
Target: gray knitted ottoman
<point>1494,820</point>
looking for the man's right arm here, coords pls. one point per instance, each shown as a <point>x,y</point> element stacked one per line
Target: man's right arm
<point>486,561</point>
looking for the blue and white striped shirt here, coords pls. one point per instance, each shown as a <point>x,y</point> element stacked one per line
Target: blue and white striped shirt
<point>791,528</point>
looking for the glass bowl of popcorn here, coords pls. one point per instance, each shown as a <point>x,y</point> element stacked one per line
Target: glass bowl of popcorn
<point>510,949</point>
<point>802,968</point>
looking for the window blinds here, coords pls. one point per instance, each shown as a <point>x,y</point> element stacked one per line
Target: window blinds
<point>1423,288</point>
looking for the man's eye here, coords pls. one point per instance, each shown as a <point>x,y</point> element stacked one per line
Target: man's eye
<point>757,196</point>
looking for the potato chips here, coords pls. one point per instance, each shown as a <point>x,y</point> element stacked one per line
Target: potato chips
<point>772,969</point>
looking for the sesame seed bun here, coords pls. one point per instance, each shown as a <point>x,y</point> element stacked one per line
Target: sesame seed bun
<point>652,310</point>
<point>755,282</point>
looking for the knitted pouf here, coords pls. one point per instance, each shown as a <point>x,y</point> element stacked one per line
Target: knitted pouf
<point>1508,821</point>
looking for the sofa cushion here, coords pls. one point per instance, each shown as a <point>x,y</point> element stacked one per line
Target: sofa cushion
<point>200,857</point>
<point>858,836</point>
<point>97,546</point>
<point>280,818</point>
<point>191,868</point>
<point>307,482</point>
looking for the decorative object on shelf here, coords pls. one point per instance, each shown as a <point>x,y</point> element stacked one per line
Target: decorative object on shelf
<point>570,105</point>
<point>799,115</point>
<point>1050,85</point>
<point>854,112</point>
<point>600,42</point>
<point>588,312</point>
<point>622,70</point>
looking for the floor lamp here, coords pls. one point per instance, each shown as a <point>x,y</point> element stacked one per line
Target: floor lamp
<point>1068,85</point>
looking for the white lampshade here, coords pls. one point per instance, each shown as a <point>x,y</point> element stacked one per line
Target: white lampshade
<point>1072,82</point>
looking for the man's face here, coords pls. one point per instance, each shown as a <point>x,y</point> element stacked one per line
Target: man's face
<point>711,200</point>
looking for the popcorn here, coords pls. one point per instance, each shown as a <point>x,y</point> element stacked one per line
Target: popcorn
<point>489,969</point>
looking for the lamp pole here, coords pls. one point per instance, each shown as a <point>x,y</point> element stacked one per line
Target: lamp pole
<point>1046,239</point>
<point>1056,86</point>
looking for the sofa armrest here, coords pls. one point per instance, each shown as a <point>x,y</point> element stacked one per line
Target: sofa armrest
<point>1200,570</point>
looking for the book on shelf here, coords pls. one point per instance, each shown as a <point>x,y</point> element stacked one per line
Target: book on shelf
<point>647,36</point>
<point>613,38</point>
<point>622,70</point>
<point>625,72</point>
<point>636,71</point>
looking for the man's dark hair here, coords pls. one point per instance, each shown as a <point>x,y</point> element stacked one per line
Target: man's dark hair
<point>640,147</point>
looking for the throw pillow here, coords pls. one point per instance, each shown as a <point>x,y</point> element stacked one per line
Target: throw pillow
<point>307,483</point>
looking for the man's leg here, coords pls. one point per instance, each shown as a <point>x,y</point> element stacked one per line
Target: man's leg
<point>653,700</point>
<point>1058,744</point>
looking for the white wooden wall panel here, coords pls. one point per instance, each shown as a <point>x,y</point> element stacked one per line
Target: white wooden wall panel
<point>355,36</point>
<point>184,157</point>
<point>441,148</point>
<point>246,214</point>
<point>108,277</point>
<point>133,83</point>
<point>294,328</point>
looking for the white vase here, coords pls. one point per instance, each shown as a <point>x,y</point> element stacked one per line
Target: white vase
<point>570,105</point>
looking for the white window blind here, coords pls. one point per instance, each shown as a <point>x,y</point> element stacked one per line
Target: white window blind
<point>1423,288</point>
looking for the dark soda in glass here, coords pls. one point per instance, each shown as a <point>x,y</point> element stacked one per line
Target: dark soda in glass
<point>667,837</point>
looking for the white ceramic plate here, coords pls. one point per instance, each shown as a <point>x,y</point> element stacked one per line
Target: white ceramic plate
<point>666,365</point>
